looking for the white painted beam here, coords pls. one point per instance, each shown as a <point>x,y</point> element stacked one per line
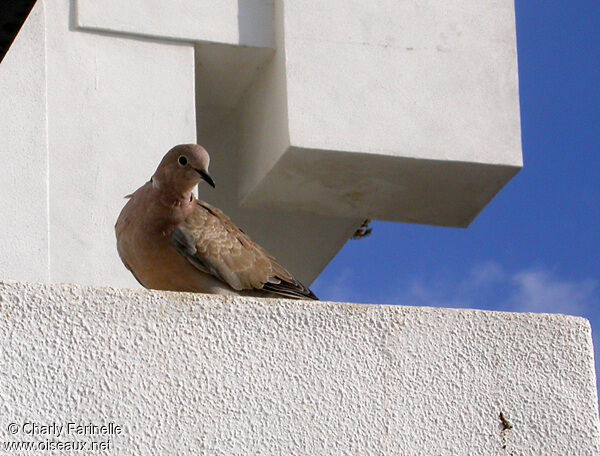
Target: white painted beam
<point>200,374</point>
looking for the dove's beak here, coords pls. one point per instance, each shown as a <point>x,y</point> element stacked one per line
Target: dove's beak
<point>206,177</point>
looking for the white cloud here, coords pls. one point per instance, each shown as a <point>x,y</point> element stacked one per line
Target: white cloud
<point>487,285</point>
<point>541,291</point>
<point>484,275</point>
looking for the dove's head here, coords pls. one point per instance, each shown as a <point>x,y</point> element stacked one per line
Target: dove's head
<point>183,168</point>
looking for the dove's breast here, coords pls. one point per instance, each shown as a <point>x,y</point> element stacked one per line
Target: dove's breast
<point>148,253</point>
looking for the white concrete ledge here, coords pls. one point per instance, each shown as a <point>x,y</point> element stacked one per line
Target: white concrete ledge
<point>198,374</point>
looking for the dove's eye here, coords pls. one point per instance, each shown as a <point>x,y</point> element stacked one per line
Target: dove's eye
<point>182,160</point>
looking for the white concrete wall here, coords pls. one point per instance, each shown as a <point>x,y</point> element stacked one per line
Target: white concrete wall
<point>86,119</point>
<point>317,115</point>
<point>24,248</point>
<point>114,108</point>
<point>198,374</point>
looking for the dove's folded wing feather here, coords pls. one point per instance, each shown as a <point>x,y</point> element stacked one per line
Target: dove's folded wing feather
<point>215,245</point>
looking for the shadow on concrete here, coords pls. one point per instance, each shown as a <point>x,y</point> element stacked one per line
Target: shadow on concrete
<point>255,22</point>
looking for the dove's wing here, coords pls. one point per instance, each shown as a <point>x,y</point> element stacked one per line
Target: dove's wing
<point>215,245</point>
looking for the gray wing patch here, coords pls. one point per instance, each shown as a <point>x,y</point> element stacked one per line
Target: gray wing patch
<point>185,244</point>
<point>183,241</point>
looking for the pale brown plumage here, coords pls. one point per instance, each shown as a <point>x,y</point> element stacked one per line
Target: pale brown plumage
<point>169,240</point>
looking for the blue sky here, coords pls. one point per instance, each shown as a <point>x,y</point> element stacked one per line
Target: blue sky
<point>536,246</point>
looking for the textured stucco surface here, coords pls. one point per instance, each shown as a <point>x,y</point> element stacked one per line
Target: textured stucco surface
<point>198,374</point>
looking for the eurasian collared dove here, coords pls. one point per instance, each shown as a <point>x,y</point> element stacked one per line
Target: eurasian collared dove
<point>170,240</point>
